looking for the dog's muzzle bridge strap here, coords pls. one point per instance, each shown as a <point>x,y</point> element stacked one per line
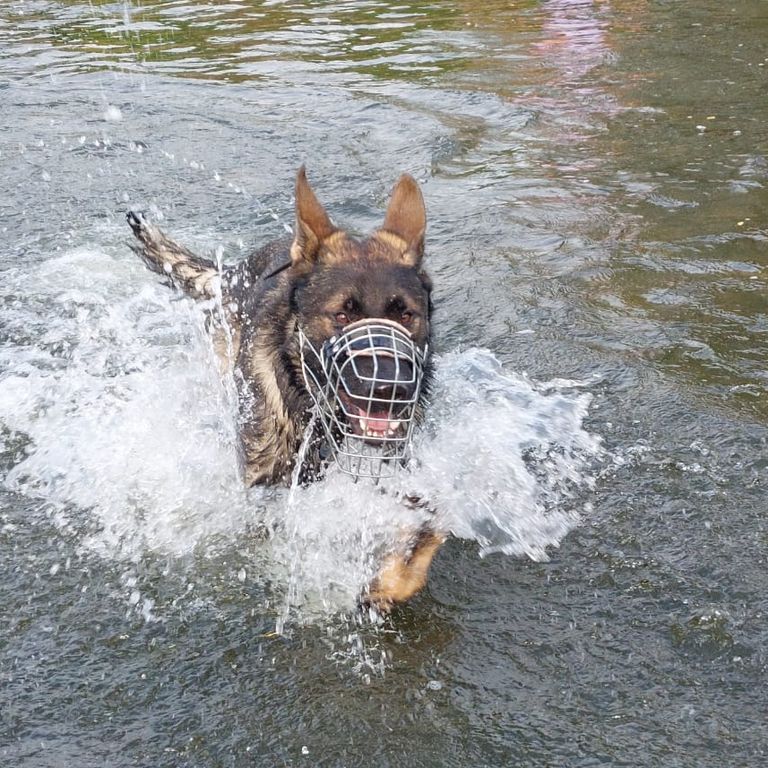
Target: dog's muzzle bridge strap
<point>366,385</point>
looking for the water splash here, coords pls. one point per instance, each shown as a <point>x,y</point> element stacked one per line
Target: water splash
<point>118,398</point>
<point>127,424</point>
<point>501,458</point>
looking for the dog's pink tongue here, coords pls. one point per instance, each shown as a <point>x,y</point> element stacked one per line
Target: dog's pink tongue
<point>374,424</point>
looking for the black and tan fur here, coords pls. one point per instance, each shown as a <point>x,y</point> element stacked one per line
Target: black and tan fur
<point>320,281</point>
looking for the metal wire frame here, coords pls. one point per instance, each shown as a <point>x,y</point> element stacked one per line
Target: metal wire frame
<point>382,403</point>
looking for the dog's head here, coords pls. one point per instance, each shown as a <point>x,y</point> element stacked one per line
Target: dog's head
<point>363,307</point>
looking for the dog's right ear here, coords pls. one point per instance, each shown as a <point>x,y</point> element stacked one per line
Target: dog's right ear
<point>312,224</point>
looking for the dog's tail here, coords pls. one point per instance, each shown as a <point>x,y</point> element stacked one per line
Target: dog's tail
<point>196,276</point>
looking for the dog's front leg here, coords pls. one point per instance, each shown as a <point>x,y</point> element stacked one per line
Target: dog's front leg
<point>404,572</point>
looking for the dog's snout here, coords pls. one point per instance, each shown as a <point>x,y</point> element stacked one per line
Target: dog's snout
<point>384,376</point>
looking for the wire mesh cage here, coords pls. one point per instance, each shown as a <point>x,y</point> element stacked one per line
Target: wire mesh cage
<point>366,384</point>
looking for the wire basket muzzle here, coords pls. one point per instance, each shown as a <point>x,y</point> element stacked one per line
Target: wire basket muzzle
<point>366,385</point>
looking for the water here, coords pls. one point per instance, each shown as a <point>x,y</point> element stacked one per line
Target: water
<point>595,177</point>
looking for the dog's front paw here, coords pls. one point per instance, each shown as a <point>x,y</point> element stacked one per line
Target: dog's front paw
<point>404,573</point>
<point>396,582</point>
<point>376,605</point>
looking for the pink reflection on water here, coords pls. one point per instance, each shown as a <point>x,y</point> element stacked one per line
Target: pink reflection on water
<point>574,36</point>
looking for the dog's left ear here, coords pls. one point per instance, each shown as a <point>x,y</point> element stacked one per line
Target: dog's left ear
<point>407,218</point>
<point>312,224</point>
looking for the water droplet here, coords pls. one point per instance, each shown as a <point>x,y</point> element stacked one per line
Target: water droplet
<point>112,114</point>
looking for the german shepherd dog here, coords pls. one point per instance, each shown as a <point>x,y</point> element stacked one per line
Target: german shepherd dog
<point>320,282</point>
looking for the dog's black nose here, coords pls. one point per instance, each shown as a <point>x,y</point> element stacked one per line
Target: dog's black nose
<point>393,392</point>
<point>381,376</point>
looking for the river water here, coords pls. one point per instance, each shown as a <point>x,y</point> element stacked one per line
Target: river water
<point>596,179</point>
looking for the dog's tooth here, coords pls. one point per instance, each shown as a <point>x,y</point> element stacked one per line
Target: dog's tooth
<point>363,426</point>
<point>394,426</point>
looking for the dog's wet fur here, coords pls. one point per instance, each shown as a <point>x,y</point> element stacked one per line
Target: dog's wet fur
<point>321,281</point>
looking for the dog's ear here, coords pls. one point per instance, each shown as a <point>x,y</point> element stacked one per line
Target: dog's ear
<point>407,218</point>
<point>312,223</point>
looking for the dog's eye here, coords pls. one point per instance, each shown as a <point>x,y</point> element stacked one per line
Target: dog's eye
<point>342,318</point>
<point>406,318</point>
